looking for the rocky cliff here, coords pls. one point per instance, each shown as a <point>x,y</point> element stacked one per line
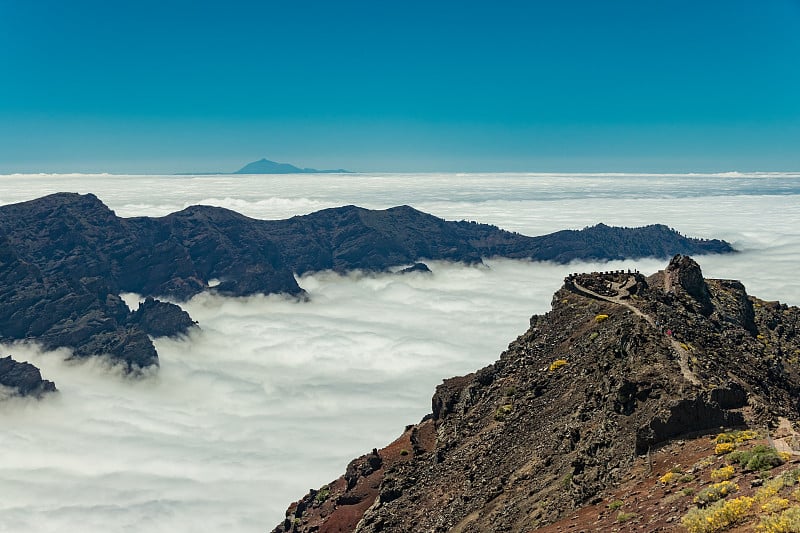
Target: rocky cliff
<point>620,365</point>
<point>65,258</point>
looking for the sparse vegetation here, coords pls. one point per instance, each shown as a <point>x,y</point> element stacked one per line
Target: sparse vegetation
<point>758,458</point>
<point>736,437</point>
<point>503,411</point>
<point>786,522</point>
<point>718,516</point>
<point>323,494</point>
<point>601,317</point>
<point>622,516</point>
<point>775,505</point>
<point>722,474</point>
<point>403,452</point>
<point>724,448</point>
<point>770,503</point>
<point>558,363</point>
<point>668,478</point>
<point>616,504</point>
<point>715,492</point>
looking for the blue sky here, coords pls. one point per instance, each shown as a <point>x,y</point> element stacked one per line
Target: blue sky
<point>181,86</point>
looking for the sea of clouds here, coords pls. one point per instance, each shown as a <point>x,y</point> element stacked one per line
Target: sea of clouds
<point>274,396</point>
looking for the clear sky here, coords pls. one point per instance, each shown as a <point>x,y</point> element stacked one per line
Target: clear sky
<point>181,86</point>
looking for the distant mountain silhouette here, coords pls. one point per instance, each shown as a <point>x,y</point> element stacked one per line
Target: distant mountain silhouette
<point>265,166</point>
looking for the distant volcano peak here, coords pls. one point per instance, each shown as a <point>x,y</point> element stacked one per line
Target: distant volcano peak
<point>265,166</point>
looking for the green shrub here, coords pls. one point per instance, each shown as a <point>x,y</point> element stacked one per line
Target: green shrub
<point>502,412</point>
<point>758,458</point>
<point>616,504</point>
<point>323,494</point>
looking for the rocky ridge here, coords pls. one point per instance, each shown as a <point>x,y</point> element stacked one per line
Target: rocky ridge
<point>65,258</point>
<point>622,364</point>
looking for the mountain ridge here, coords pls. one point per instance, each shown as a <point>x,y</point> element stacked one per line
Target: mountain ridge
<point>620,365</point>
<point>66,257</point>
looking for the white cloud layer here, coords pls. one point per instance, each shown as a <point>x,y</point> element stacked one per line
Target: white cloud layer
<point>274,396</point>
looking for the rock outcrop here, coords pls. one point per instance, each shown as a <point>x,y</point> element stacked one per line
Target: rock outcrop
<point>22,379</point>
<point>416,267</point>
<point>65,258</point>
<point>620,365</point>
<point>161,319</point>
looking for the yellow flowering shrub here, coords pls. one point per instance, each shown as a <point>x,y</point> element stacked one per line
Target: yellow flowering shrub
<point>715,492</point>
<point>722,474</point>
<point>558,363</point>
<point>724,448</point>
<point>736,437</point>
<point>600,318</point>
<point>786,522</point>
<point>775,505</point>
<point>718,516</point>
<point>769,490</point>
<point>668,478</point>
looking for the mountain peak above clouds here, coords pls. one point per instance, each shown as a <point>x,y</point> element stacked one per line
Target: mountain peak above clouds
<point>265,166</point>
<point>620,383</point>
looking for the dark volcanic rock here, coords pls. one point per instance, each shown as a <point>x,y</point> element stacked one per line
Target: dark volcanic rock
<point>416,267</point>
<point>23,379</point>
<point>685,273</point>
<point>161,319</point>
<point>559,419</point>
<point>65,258</point>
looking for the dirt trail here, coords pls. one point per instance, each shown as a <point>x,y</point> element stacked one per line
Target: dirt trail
<point>623,291</point>
<point>785,438</point>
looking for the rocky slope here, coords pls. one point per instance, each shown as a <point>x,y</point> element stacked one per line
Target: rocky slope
<point>620,365</point>
<point>65,258</point>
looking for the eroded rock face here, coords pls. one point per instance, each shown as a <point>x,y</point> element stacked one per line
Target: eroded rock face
<point>686,274</point>
<point>23,379</point>
<point>562,415</point>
